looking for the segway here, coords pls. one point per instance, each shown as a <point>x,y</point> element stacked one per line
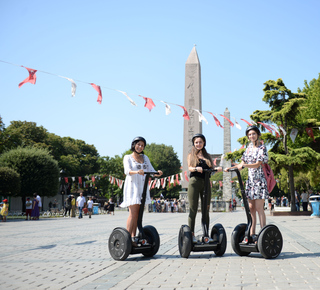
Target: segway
<point>217,241</point>
<point>147,241</point>
<point>269,240</point>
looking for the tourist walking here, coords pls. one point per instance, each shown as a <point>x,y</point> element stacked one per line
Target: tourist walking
<point>80,204</point>
<point>4,210</point>
<point>90,206</point>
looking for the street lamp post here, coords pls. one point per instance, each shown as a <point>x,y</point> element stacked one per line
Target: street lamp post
<point>62,187</point>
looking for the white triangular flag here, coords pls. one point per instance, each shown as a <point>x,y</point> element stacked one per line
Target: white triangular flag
<point>131,101</point>
<point>168,108</point>
<point>201,117</point>
<point>237,124</point>
<point>293,134</point>
<point>73,86</point>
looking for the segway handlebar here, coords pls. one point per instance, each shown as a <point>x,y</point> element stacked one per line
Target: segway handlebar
<point>151,173</point>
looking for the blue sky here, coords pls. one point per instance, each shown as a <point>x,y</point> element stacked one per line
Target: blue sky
<point>141,47</point>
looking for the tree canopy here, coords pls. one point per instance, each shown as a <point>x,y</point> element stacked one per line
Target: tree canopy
<point>38,171</point>
<point>74,156</point>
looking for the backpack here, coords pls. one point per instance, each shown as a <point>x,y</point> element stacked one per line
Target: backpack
<point>271,182</point>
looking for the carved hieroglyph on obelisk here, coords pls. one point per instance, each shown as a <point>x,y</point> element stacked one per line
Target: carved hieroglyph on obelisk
<point>227,187</point>
<point>192,100</point>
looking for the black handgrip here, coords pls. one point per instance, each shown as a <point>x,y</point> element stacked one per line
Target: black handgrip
<point>233,169</point>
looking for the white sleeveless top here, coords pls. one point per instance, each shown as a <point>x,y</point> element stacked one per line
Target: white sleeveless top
<point>133,185</point>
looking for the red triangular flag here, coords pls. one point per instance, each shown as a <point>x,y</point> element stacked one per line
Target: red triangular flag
<point>227,120</point>
<point>310,133</point>
<point>186,176</point>
<point>266,126</point>
<point>185,115</point>
<point>31,78</point>
<point>149,103</point>
<point>98,89</point>
<point>216,120</point>
<point>246,122</point>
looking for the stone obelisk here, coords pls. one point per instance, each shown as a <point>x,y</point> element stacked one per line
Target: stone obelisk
<point>192,100</point>
<point>227,187</point>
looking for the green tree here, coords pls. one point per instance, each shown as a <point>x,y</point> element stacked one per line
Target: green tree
<point>311,110</point>
<point>39,172</point>
<point>9,182</point>
<point>75,157</point>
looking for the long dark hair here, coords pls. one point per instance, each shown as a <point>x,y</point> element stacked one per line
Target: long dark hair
<point>194,159</point>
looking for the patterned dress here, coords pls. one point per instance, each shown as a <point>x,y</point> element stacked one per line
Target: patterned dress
<point>133,185</point>
<point>256,185</point>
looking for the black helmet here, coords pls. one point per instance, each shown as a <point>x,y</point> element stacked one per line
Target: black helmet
<point>255,128</point>
<point>199,136</point>
<point>136,140</point>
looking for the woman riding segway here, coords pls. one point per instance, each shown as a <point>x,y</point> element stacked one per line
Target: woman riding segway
<point>200,165</point>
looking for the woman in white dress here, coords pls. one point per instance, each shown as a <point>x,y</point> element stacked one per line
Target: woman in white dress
<point>135,165</point>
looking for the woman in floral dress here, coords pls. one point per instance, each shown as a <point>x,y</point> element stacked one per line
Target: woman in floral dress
<point>256,185</point>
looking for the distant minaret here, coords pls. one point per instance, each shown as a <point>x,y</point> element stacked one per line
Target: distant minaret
<point>227,194</point>
<point>192,100</point>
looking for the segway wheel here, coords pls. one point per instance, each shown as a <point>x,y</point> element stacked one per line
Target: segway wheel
<point>120,244</point>
<point>219,234</point>
<point>185,241</point>
<point>270,242</point>
<point>153,239</point>
<point>237,237</point>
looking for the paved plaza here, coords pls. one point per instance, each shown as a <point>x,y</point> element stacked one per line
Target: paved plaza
<point>72,253</point>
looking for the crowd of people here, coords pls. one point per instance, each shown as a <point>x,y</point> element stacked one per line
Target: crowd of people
<point>167,205</point>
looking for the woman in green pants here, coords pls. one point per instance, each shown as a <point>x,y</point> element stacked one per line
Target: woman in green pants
<point>198,160</point>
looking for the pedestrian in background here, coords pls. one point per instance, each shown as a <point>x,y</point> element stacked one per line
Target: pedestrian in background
<point>90,206</point>
<point>5,210</point>
<point>67,206</point>
<point>305,200</point>
<point>28,208</point>
<point>80,204</point>
<point>73,206</point>
<point>35,208</point>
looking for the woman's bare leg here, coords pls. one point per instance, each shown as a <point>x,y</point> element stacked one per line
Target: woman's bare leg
<point>132,220</point>
<point>252,207</point>
<point>261,213</point>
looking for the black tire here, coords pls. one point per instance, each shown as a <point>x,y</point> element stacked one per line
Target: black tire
<point>270,242</point>
<point>185,241</point>
<point>237,237</point>
<point>153,239</point>
<point>120,244</point>
<point>218,233</point>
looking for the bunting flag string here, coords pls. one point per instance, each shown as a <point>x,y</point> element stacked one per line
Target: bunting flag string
<point>149,102</point>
